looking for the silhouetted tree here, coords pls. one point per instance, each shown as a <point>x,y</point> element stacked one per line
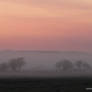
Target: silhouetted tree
<point>16,64</point>
<point>64,65</point>
<point>82,66</point>
<point>4,67</point>
<point>87,67</point>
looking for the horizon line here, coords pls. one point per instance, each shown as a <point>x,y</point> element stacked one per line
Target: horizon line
<point>70,51</point>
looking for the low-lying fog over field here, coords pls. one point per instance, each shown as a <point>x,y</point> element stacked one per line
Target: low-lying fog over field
<point>44,63</point>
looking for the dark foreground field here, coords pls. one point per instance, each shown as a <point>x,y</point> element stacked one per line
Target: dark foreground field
<point>45,85</point>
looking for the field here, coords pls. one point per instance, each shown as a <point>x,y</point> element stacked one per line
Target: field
<point>45,84</point>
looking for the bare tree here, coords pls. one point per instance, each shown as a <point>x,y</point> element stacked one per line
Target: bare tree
<point>4,67</point>
<point>17,64</point>
<point>64,65</point>
<point>82,66</point>
<point>87,67</point>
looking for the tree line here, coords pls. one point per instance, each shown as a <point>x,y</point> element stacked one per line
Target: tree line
<point>67,65</point>
<point>15,64</point>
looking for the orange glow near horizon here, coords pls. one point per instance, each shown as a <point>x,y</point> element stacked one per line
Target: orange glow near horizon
<point>46,25</point>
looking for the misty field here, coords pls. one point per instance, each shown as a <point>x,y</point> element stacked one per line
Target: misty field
<point>43,74</point>
<point>45,64</point>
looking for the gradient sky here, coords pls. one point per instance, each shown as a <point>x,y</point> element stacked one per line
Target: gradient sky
<point>46,25</point>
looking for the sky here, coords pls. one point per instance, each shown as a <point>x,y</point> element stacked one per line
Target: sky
<point>46,25</point>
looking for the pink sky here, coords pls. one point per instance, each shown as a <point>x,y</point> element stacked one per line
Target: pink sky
<point>46,24</point>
